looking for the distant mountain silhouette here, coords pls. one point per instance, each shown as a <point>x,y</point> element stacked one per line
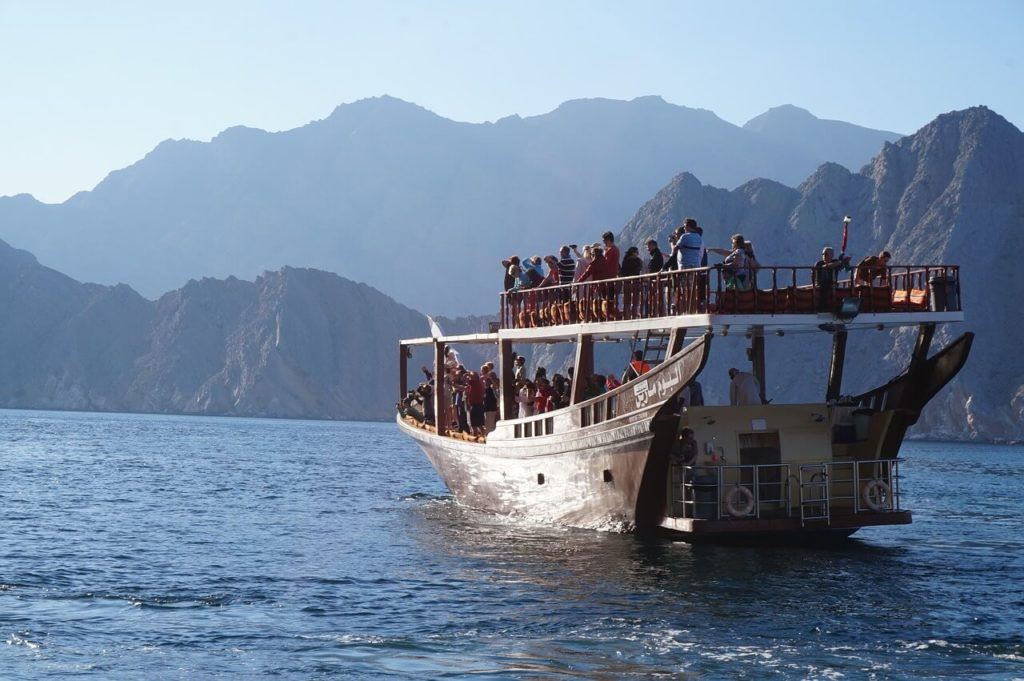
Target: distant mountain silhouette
<point>295,343</point>
<point>953,192</point>
<point>835,141</point>
<point>419,206</point>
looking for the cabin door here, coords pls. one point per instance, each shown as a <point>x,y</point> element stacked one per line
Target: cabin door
<point>762,449</point>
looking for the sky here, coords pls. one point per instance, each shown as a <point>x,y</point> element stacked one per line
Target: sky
<point>87,88</point>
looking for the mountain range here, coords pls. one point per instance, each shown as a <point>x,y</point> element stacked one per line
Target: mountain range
<point>305,343</point>
<point>952,193</point>
<point>421,207</point>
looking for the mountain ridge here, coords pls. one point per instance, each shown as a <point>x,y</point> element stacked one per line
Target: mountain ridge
<point>328,194</point>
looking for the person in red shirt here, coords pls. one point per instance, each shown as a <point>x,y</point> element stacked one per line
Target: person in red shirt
<point>474,396</point>
<point>600,267</point>
<point>611,252</point>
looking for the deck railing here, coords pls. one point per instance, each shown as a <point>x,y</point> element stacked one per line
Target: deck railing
<point>777,289</point>
<point>814,492</point>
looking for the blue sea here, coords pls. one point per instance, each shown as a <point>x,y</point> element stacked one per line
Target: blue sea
<point>153,547</point>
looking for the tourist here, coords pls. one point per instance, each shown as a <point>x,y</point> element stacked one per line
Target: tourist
<point>611,253</point>
<point>637,367</point>
<point>553,275</point>
<point>540,373</point>
<point>527,396</point>
<point>459,385</point>
<point>519,368</point>
<point>632,265</point>
<point>672,261</point>
<point>690,246</point>
<point>734,265</point>
<point>657,260</point>
<point>752,264</point>
<point>510,279</point>
<point>515,271</point>
<point>826,276</point>
<point>566,266</point>
<point>684,451</point>
<point>611,383</point>
<point>583,261</point>
<point>542,401</point>
<point>492,388</point>
<point>534,271</point>
<point>559,393</point>
<point>474,392</point>
<point>744,388</point>
<point>601,268</point>
<point>872,267</point>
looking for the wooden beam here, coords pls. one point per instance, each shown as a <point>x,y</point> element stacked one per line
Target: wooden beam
<point>506,371</point>
<point>583,369</point>
<point>403,371</point>
<point>925,333</point>
<point>676,338</point>
<point>835,371</point>
<point>440,392</point>
<point>757,361</point>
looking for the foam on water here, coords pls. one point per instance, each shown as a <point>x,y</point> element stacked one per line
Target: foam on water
<point>169,547</point>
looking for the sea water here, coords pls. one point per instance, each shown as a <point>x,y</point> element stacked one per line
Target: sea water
<point>154,547</point>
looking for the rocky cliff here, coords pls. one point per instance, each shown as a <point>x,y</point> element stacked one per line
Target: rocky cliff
<point>381,183</point>
<point>951,193</point>
<point>295,343</point>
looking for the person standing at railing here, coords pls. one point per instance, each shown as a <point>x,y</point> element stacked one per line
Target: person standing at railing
<point>632,266</point>
<point>752,264</point>
<point>872,267</point>
<point>611,252</point>
<point>735,271</point>
<point>657,260</point>
<point>566,266</point>
<point>583,261</point>
<point>826,276</point>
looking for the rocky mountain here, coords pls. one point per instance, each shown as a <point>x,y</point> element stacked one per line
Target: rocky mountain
<point>836,141</point>
<point>295,343</point>
<point>953,192</point>
<point>391,194</point>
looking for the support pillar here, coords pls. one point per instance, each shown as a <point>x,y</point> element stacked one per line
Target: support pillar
<point>757,361</point>
<point>676,338</point>
<point>835,371</point>
<point>583,369</point>
<point>440,391</point>
<point>506,371</point>
<point>403,371</point>
<point>925,333</point>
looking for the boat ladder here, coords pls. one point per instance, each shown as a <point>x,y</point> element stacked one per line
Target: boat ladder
<point>654,348</point>
<point>814,495</point>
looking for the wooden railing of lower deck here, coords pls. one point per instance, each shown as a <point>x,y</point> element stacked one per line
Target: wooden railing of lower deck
<point>770,290</point>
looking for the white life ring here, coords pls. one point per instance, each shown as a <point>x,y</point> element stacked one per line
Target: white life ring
<point>877,495</point>
<point>739,501</point>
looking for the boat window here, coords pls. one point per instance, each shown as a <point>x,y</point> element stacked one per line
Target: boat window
<point>528,429</point>
<point>549,425</point>
<point>519,430</point>
<point>584,418</point>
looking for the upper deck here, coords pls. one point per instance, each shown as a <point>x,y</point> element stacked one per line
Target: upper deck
<point>781,297</point>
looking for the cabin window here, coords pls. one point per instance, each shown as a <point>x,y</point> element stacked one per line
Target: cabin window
<point>598,408</point>
<point>584,417</point>
<point>549,425</point>
<point>519,430</point>
<point>607,475</point>
<point>528,429</point>
<point>540,478</point>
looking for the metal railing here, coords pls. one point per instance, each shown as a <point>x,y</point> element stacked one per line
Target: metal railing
<point>790,290</point>
<point>815,493</point>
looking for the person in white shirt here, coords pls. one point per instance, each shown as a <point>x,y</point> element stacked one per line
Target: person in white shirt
<point>744,388</point>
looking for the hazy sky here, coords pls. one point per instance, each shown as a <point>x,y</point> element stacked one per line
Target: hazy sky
<point>88,87</point>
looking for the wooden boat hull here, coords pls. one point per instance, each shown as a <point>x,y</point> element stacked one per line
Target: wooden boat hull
<point>568,487</point>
